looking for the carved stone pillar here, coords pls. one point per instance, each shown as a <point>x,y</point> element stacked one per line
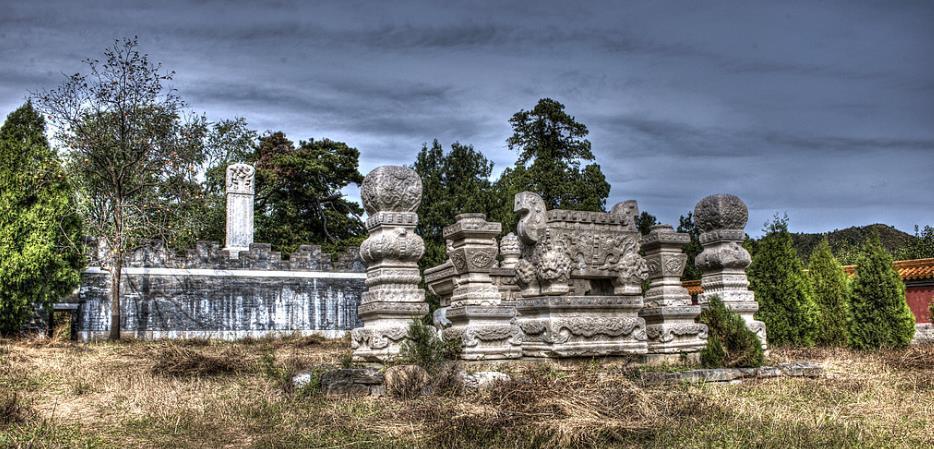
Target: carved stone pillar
<point>391,196</point>
<point>669,316</point>
<point>485,326</point>
<point>721,220</point>
<point>240,192</point>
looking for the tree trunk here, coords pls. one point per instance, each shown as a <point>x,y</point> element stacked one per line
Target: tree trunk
<point>115,276</point>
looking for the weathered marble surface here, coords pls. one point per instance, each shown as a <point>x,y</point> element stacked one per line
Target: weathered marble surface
<point>392,299</point>
<point>721,219</point>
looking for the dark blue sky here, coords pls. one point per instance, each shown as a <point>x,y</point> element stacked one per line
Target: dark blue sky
<point>823,110</point>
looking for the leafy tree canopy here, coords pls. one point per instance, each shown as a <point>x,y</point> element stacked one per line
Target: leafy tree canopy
<point>298,193</point>
<point>40,231</point>
<point>453,183</point>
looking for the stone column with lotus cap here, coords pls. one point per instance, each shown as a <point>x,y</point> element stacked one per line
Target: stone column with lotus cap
<point>393,299</point>
<point>721,219</point>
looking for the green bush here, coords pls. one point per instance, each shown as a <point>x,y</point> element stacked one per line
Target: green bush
<point>786,304</point>
<point>881,317</point>
<point>931,312</point>
<point>730,344</point>
<point>424,348</point>
<point>831,293</point>
<point>39,228</point>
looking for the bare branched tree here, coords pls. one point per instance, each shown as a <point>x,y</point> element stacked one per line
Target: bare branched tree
<point>132,151</point>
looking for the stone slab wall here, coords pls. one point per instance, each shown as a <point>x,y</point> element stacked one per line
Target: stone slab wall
<point>205,294</point>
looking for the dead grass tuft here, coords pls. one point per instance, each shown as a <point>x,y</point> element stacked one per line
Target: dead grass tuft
<point>12,408</point>
<point>181,361</point>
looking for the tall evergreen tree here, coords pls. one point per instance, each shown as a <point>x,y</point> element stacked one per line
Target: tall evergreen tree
<point>644,222</point>
<point>686,224</point>
<point>881,317</point>
<point>829,284</point>
<point>40,255</point>
<point>786,304</point>
<point>453,183</point>
<point>552,147</point>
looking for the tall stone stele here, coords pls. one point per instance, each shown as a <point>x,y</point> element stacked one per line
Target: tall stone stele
<point>721,219</point>
<point>391,196</point>
<point>240,193</point>
<point>669,316</point>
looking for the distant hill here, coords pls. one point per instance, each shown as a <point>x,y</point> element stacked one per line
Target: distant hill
<point>846,242</point>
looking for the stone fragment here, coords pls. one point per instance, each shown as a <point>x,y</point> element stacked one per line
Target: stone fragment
<point>483,380</point>
<point>352,381</point>
<point>484,326</point>
<point>801,370</point>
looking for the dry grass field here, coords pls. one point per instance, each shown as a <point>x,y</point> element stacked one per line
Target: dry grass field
<point>197,394</point>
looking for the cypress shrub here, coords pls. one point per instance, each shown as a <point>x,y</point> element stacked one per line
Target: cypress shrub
<point>831,294</point>
<point>730,344</point>
<point>786,304</point>
<point>39,229</point>
<point>881,317</point>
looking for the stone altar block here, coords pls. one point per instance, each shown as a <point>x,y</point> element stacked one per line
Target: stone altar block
<point>668,313</point>
<point>390,195</point>
<point>721,220</point>
<point>580,277</point>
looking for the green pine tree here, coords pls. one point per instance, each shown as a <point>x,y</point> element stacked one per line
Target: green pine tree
<point>786,304</point>
<point>881,317</point>
<point>552,147</point>
<point>40,232</point>
<point>831,293</point>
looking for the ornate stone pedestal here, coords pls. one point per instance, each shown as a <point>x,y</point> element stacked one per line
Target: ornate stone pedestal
<point>579,281</point>
<point>668,313</point>
<point>721,219</point>
<point>478,318</point>
<point>391,196</point>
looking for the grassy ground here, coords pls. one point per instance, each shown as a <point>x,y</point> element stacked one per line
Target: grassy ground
<point>198,394</point>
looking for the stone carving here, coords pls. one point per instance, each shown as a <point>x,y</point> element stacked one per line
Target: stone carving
<point>392,250</point>
<point>391,189</point>
<point>721,218</point>
<point>668,313</point>
<point>240,178</point>
<point>240,191</point>
<point>510,250</point>
<point>565,248</point>
<point>485,327</point>
<point>632,270</point>
<point>722,211</point>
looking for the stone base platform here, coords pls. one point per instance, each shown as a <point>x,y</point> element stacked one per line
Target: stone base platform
<point>581,326</point>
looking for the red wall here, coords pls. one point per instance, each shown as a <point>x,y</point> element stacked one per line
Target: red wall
<point>918,299</point>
